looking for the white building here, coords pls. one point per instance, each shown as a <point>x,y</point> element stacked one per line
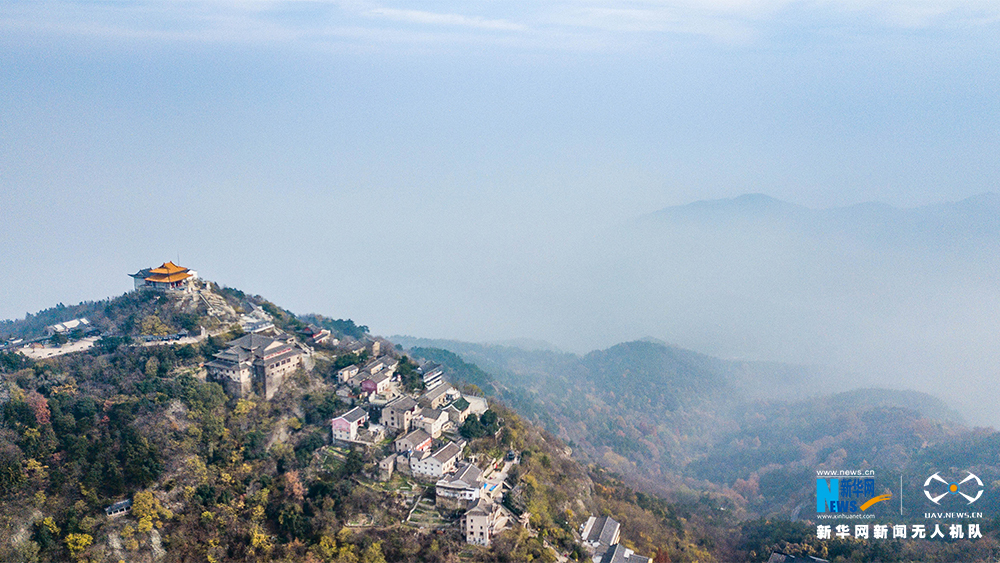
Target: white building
<point>456,490</point>
<point>434,466</point>
<point>345,427</point>
<point>482,522</point>
<point>431,421</point>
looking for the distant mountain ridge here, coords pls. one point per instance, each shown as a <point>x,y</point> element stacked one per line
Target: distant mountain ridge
<point>670,418</point>
<point>951,224</point>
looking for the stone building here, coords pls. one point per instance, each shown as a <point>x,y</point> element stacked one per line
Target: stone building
<point>254,363</point>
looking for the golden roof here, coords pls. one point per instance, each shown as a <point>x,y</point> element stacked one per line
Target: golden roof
<point>168,268</point>
<point>168,278</point>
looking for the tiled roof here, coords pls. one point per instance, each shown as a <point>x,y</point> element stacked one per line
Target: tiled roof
<point>354,415</point>
<point>447,452</point>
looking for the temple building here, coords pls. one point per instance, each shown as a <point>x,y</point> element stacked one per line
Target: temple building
<point>168,276</point>
<point>254,363</point>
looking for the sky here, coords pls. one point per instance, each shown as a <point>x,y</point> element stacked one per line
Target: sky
<point>425,168</point>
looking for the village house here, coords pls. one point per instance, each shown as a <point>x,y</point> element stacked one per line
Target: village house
<point>167,277</point>
<point>416,441</point>
<point>434,466</point>
<point>382,364</point>
<point>598,534</point>
<point>345,427</point>
<point>432,374</point>
<point>254,363</point>
<point>358,379</point>
<point>257,320</point>
<point>377,383</point>
<point>316,335</point>
<point>439,396</point>
<point>386,467</point>
<point>356,348</point>
<point>458,411</point>
<point>455,490</point>
<point>345,374</point>
<point>374,366</point>
<point>399,413</point>
<point>120,508</point>
<point>621,554</point>
<point>482,522</point>
<point>65,327</point>
<point>477,405</point>
<point>431,421</point>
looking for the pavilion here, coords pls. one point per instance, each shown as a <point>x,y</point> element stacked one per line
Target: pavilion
<point>166,277</point>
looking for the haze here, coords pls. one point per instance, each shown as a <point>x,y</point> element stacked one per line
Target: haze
<point>478,171</point>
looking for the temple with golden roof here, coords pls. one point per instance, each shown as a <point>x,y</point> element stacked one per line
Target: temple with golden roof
<point>168,276</point>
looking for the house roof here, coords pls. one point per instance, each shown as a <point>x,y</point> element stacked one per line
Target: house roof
<point>119,506</point>
<point>168,272</point>
<point>437,392</point>
<point>429,366</point>
<point>433,414</point>
<point>402,404</point>
<point>480,507</point>
<point>168,278</point>
<point>603,531</point>
<point>620,554</point>
<point>379,377</point>
<point>354,415</point>
<point>468,475</point>
<point>415,437</point>
<point>447,452</point>
<point>461,404</point>
<point>168,268</point>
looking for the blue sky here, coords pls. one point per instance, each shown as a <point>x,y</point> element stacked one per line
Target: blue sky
<point>417,166</point>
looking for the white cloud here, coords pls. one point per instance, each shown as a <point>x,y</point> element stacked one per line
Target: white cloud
<point>432,18</point>
<point>557,24</point>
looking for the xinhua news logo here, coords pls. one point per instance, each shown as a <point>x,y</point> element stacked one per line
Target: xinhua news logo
<point>853,493</point>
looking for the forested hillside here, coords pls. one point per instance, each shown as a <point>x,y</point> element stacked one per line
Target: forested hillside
<point>218,479</point>
<point>677,423</point>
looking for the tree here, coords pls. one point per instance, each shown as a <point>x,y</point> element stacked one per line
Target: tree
<point>40,406</point>
<point>373,554</point>
<point>77,543</point>
<point>11,473</point>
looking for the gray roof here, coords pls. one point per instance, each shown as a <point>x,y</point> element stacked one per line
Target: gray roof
<point>447,452</point>
<point>122,504</point>
<point>617,554</point>
<point>433,414</point>
<point>402,404</point>
<point>437,392</point>
<point>252,344</point>
<point>379,377</point>
<point>416,437</point>
<point>604,531</point>
<point>354,415</point>
<point>481,506</point>
<point>468,475</point>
